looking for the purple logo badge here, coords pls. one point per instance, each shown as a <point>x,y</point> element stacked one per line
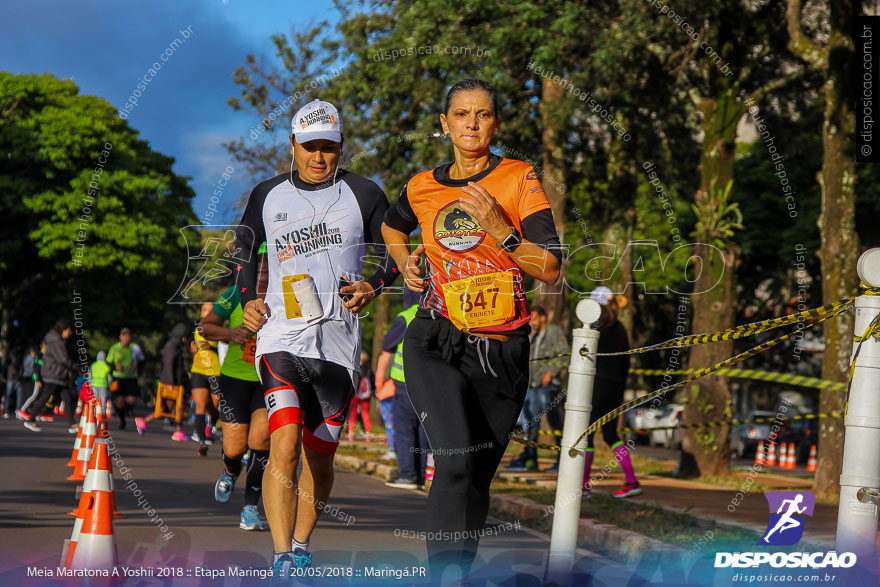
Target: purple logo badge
<point>787,511</point>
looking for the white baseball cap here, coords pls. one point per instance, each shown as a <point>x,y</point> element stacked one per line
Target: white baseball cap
<point>317,120</point>
<point>602,295</point>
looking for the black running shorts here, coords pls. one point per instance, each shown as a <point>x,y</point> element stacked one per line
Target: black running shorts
<point>238,399</point>
<point>310,392</point>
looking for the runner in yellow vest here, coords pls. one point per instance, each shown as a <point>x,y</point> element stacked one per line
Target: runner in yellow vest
<point>99,380</point>
<point>205,374</point>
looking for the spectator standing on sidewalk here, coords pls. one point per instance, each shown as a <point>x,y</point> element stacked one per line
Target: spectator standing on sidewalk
<point>410,440</point>
<point>385,387</point>
<point>547,340</point>
<point>13,364</point>
<point>361,399</point>
<point>608,387</point>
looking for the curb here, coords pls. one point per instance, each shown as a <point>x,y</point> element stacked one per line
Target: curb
<point>622,545</point>
<point>387,472</point>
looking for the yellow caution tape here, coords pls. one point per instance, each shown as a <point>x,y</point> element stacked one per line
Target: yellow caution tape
<point>717,424</point>
<point>741,331</point>
<point>701,373</point>
<point>736,331</point>
<point>547,358</point>
<point>756,374</point>
<point>534,444</point>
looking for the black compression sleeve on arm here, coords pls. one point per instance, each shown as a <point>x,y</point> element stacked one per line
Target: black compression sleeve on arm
<point>400,215</point>
<point>248,237</point>
<point>540,229</point>
<point>373,204</point>
<point>386,273</point>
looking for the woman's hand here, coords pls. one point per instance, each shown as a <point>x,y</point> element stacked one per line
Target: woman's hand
<point>411,270</point>
<point>480,204</point>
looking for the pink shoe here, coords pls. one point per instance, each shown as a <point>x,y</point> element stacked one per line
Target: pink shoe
<point>140,425</point>
<point>179,436</point>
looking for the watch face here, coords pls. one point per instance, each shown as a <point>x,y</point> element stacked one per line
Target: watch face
<point>512,241</point>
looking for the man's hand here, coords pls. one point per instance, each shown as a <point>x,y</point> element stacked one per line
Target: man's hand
<point>239,334</point>
<point>547,379</point>
<point>358,295</point>
<point>255,315</point>
<point>411,270</point>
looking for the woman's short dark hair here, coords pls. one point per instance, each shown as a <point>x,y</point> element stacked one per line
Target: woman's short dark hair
<point>61,325</point>
<point>469,85</point>
<point>609,313</point>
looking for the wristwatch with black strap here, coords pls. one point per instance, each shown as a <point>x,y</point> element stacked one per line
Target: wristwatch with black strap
<point>511,242</point>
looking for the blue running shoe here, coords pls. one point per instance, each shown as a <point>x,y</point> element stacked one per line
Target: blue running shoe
<point>250,519</point>
<point>281,568</point>
<point>224,486</point>
<point>302,558</point>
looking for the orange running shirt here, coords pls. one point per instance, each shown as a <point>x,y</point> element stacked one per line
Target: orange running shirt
<point>467,273</point>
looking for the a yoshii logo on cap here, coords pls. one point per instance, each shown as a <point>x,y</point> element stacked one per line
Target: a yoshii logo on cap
<point>317,120</point>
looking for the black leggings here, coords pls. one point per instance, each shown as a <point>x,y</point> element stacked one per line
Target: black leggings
<point>468,414</point>
<point>43,396</point>
<point>607,395</point>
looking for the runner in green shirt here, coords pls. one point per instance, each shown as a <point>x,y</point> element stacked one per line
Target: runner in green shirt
<point>124,373</point>
<point>241,406</point>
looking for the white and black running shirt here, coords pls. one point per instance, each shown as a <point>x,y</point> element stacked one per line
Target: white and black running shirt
<point>322,231</point>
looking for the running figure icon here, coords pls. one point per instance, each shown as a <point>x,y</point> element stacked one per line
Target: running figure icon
<point>786,521</point>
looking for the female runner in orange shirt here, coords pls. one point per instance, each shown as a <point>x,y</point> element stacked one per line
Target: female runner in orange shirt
<point>485,223</point>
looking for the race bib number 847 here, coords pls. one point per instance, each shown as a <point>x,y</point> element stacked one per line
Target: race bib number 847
<point>480,301</point>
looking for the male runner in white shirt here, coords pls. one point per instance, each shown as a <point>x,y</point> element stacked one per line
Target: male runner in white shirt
<point>316,222</point>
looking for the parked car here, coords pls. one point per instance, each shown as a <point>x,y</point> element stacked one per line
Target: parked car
<point>667,415</point>
<point>744,438</point>
<point>643,418</point>
<point>635,418</point>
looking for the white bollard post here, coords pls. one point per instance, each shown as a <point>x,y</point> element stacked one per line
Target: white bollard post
<point>857,512</point>
<point>578,404</point>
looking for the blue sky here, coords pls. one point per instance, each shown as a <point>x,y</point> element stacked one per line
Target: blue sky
<point>107,47</point>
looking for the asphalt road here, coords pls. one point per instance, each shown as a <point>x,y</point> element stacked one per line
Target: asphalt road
<point>178,484</point>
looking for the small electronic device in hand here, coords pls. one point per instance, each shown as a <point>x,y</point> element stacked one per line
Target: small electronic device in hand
<point>344,295</point>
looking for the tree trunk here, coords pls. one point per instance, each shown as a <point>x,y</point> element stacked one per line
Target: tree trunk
<point>706,451</point>
<point>840,246</point>
<point>554,298</point>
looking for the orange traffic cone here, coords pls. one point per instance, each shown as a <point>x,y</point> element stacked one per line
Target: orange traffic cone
<point>812,463</point>
<point>86,444</point>
<point>792,457</point>
<point>771,457</point>
<point>102,436</point>
<point>93,544</point>
<point>787,457</point>
<point>79,408</point>
<point>77,441</point>
<point>759,454</point>
<point>108,409</point>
